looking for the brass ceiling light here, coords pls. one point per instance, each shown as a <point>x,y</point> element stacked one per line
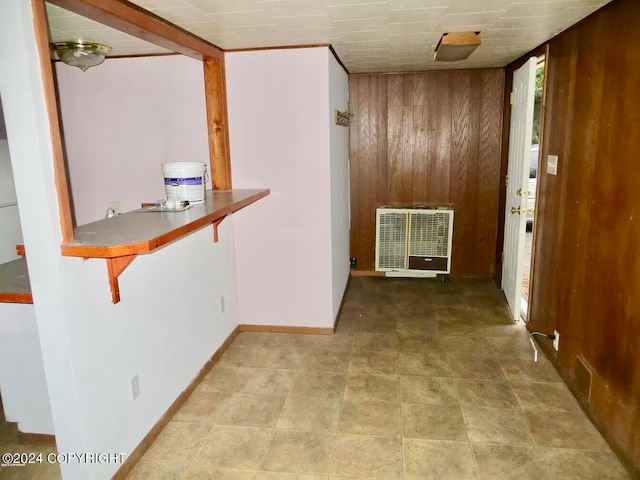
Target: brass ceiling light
<point>81,54</point>
<point>456,46</point>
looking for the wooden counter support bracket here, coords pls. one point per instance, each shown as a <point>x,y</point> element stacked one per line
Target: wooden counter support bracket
<point>116,266</point>
<point>215,229</point>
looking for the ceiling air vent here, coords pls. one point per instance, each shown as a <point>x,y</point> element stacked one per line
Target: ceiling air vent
<point>456,46</point>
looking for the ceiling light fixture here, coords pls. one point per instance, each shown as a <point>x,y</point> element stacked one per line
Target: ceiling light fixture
<point>456,46</point>
<point>81,54</point>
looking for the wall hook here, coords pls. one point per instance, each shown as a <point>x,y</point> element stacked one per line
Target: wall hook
<point>343,118</point>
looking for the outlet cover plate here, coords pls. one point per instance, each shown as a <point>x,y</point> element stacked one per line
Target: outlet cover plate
<point>552,164</point>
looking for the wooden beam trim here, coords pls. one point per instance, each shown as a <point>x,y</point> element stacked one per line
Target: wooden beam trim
<point>216,102</point>
<point>41,27</point>
<point>140,23</point>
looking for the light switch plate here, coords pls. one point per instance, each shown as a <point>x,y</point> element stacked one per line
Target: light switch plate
<point>552,164</point>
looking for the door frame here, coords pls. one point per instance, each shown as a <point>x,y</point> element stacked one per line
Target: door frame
<point>542,50</point>
<point>541,155</point>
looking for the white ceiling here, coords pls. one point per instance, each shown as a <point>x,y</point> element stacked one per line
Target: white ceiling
<point>368,35</point>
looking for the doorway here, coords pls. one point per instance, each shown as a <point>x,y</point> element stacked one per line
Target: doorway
<point>532,187</point>
<point>520,141</point>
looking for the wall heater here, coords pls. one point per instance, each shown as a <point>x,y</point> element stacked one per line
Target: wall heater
<point>414,242</point>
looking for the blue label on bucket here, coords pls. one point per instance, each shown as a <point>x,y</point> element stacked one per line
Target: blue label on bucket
<point>176,182</point>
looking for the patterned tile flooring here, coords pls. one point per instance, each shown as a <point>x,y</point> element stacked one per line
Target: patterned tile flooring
<point>9,442</point>
<point>423,380</point>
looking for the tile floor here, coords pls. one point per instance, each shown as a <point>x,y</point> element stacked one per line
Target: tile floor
<point>9,443</point>
<point>423,380</point>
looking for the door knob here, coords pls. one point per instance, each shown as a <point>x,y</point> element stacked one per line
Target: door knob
<point>519,211</point>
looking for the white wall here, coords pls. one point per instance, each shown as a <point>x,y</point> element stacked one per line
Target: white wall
<point>3,127</point>
<point>10,231</point>
<point>279,134</point>
<point>166,326</point>
<point>135,117</point>
<point>339,145</point>
<point>22,380</point>
<point>7,188</point>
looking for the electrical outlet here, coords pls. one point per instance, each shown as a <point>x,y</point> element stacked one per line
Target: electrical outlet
<point>135,387</point>
<point>353,262</point>
<point>117,206</point>
<point>221,304</point>
<point>556,340</point>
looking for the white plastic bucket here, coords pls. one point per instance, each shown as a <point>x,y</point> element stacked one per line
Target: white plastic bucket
<point>184,181</point>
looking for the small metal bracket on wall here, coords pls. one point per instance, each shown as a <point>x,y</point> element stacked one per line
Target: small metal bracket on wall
<point>343,118</point>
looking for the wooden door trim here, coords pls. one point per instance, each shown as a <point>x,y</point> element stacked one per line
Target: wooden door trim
<point>543,108</point>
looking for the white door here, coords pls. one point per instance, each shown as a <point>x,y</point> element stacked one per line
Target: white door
<point>523,98</point>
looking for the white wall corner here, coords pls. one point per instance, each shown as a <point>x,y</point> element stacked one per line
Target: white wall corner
<point>340,191</point>
<point>279,135</point>
<point>29,137</point>
<point>166,326</point>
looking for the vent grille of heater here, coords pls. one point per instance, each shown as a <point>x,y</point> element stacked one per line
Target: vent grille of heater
<point>429,235</point>
<point>392,232</point>
<point>414,241</point>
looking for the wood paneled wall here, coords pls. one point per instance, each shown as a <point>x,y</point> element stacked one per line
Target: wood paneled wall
<point>432,137</point>
<point>586,281</point>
